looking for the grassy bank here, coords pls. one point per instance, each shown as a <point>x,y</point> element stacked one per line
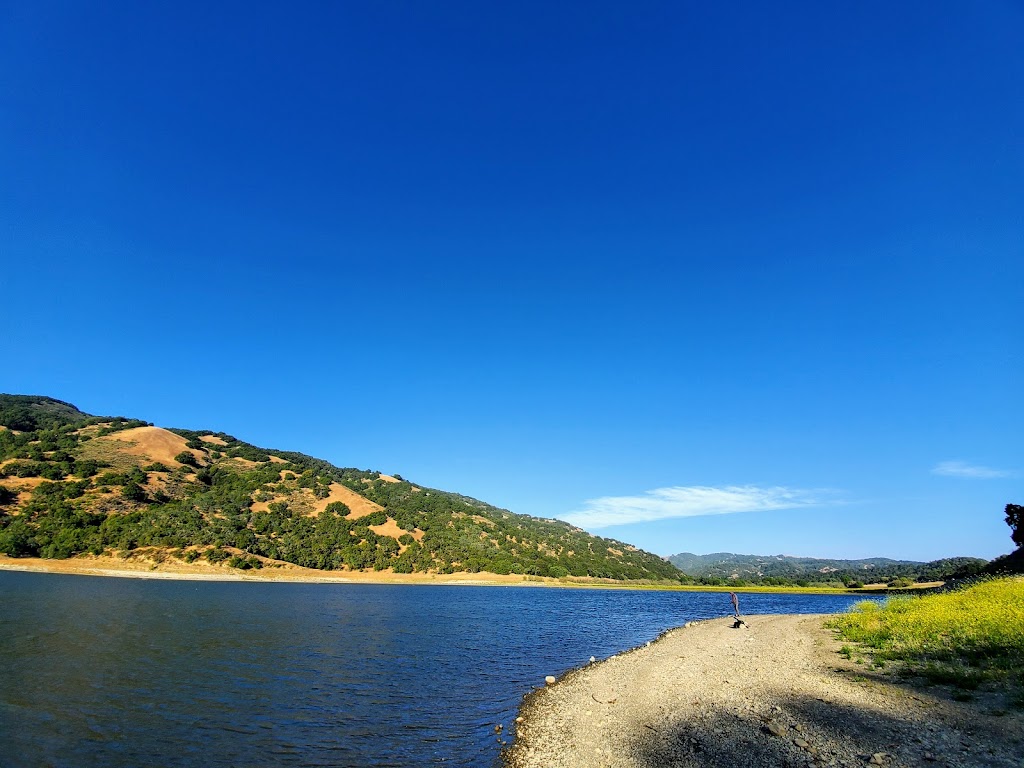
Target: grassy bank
<point>964,637</point>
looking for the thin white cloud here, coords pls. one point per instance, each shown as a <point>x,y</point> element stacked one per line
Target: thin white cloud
<point>691,501</point>
<point>963,469</point>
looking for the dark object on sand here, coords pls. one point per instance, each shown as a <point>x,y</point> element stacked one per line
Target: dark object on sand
<point>738,623</point>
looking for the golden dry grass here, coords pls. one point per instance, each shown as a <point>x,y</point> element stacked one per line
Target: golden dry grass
<point>137,446</point>
<point>360,506</point>
<point>388,528</point>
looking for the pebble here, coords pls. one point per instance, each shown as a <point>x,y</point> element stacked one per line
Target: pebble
<point>776,729</point>
<point>550,679</point>
<point>878,758</point>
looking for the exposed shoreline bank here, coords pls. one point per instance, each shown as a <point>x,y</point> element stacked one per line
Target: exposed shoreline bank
<point>771,693</point>
<point>131,569</point>
<point>169,569</point>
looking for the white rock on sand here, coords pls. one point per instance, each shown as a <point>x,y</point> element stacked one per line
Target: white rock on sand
<point>772,693</point>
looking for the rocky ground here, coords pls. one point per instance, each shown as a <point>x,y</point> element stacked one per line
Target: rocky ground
<point>772,693</point>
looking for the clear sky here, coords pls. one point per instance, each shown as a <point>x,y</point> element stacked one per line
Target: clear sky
<point>698,276</point>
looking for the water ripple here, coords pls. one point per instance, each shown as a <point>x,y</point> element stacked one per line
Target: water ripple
<point>126,673</point>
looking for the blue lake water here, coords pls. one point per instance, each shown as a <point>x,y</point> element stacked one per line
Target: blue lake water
<point>124,672</point>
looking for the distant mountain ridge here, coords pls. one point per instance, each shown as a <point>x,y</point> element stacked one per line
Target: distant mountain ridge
<point>761,568</point>
<point>73,483</point>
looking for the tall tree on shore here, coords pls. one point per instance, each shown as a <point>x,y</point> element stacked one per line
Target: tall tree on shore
<point>1015,519</point>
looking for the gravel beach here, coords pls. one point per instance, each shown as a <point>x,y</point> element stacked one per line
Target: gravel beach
<point>772,693</point>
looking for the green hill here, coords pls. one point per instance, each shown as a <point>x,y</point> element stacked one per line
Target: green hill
<point>34,412</point>
<point>784,569</point>
<point>72,483</point>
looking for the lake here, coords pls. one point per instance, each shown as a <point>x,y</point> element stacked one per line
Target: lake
<point>125,672</point>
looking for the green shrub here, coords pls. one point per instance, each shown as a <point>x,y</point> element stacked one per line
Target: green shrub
<point>216,555</point>
<point>186,458</point>
<point>337,508</point>
<point>133,491</point>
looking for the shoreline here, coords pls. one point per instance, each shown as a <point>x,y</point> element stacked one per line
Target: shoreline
<point>113,567</point>
<point>143,568</point>
<point>773,692</point>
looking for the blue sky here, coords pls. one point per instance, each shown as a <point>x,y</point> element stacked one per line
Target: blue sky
<point>700,277</point>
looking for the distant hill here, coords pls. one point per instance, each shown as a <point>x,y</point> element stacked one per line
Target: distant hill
<point>32,412</point>
<point>72,483</point>
<point>787,569</point>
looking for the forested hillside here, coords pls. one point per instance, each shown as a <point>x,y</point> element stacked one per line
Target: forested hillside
<point>71,483</point>
<point>726,567</point>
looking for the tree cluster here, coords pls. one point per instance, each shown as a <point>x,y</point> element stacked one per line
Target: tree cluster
<point>206,509</point>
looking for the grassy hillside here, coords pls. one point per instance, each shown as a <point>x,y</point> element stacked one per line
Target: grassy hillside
<point>785,569</point>
<point>71,483</point>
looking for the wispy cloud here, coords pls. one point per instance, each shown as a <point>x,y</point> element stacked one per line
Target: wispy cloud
<point>692,501</point>
<point>963,469</point>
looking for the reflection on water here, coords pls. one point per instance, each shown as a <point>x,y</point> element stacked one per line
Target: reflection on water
<point>122,672</point>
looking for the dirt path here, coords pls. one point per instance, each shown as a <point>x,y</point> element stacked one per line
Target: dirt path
<point>774,693</point>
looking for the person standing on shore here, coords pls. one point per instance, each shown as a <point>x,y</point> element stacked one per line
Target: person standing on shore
<point>735,604</point>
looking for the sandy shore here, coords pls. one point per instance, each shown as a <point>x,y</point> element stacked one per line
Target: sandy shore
<point>145,566</point>
<point>774,693</point>
<point>140,568</point>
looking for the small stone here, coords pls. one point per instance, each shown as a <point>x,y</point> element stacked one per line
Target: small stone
<point>930,757</point>
<point>519,719</point>
<point>802,743</point>
<point>776,729</point>
<point>798,727</point>
<point>878,758</point>
<point>550,679</point>
<point>499,728</point>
